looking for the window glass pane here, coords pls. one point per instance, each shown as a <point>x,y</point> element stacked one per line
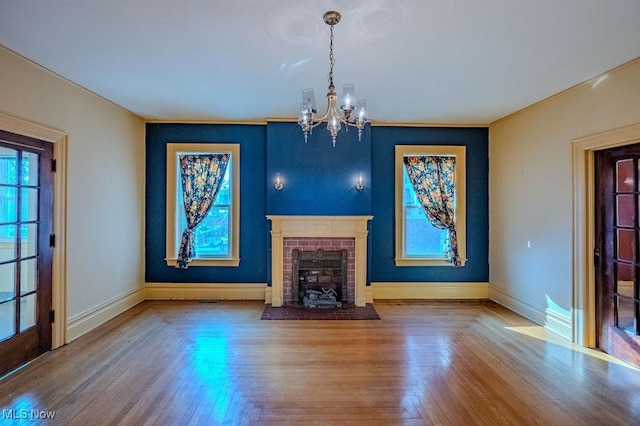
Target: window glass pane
<point>408,194</point>
<point>626,247</point>
<point>8,161</point>
<point>7,242</point>
<point>421,239</point>
<point>624,176</point>
<point>224,193</point>
<point>7,281</point>
<point>212,235</point>
<point>625,211</point>
<point>626,274</point>
<point>29,204</point>
<point>29,236</point>
<point>29,168</point>
<point>28,276</point>
<point>7,319</point>
<point>626,317</point>
<point>8,204</point>
<point>28,309</point>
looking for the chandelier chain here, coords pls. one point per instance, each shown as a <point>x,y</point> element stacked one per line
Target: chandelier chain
<point>331,60</point>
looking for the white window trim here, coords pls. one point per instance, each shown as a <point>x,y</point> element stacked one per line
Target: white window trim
<point>461,207</point>
<point>175,149</point>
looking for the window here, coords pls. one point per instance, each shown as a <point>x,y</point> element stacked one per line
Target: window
<point>217,236</point>
<point>9,192</point>
<point>417,241</point>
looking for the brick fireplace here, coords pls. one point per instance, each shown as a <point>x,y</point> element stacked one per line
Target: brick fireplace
<point>312,233</point>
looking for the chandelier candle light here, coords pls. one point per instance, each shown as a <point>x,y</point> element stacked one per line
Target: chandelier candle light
<point>347,113</point>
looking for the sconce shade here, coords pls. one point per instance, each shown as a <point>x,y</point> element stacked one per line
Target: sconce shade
<point>278,184</point>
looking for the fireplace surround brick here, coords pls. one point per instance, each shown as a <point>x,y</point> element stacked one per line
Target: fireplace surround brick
<point>313,244</point>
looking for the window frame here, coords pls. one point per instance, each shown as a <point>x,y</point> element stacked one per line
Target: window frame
<point>174,150</point>
<point>459,152</point>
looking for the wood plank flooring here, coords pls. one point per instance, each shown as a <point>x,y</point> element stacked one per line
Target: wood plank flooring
<point>180,363</point>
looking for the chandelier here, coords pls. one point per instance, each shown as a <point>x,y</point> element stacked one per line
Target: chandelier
<point>350,112</point>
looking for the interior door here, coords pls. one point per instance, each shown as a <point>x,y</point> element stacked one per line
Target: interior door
<point>617,250</point>
<point>26,225</point>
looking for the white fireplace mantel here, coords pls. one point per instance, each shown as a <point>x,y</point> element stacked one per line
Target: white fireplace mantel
<point>288,226</point>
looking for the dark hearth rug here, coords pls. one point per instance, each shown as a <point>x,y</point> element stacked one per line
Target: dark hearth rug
<point>303,313</point>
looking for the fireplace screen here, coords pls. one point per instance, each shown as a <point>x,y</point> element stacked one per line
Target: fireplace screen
<point>320,277</point>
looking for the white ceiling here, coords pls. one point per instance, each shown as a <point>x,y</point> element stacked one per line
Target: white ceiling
<point>434,61</point>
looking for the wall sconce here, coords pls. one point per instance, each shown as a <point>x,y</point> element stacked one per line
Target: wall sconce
<point>278,185</point>
<point>360,183</point>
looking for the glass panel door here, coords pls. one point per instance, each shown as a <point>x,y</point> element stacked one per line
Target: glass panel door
<point>19,225</point>
<point>26,222</point>
<point>617,234</point>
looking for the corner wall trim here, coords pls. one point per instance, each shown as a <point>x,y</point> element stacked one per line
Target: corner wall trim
<point>415,290</point>
<point>547,317</point>
<point>200,291</point>
<point>369,294</point>
<point>91,318</point>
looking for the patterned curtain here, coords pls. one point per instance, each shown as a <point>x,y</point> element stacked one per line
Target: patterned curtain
<point>201,176</point>
<point>433,179</point>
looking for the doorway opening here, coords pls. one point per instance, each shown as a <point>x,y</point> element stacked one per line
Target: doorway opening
<point>584,272</point>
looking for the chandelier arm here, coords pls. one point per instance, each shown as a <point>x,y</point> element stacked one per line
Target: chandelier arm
<point>349,123</point>
<point>317,123</point>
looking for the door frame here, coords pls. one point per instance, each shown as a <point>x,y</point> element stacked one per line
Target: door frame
<point>584,276</point>
<point>59,278</point>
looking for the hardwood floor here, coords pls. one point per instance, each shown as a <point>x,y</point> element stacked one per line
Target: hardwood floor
<point>423,363</point>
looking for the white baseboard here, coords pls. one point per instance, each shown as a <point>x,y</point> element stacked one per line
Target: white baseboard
<point>558,323</point>
<point>98,315</point>
<point>547,317</point>
<point>92,318</point>
<point>206,291</point>
<point>401,290</point>
<point>535,313</point>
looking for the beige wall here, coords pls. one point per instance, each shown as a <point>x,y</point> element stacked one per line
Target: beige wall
<point>530,191</point>
<point>105,190</point>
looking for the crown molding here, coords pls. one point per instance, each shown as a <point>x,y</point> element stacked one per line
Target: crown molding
<point>197,121</point>
<point>417,124</point>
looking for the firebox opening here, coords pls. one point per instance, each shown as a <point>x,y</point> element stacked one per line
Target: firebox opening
<point>320,278</point>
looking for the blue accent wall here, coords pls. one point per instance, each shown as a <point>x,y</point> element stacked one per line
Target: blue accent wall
<point>382,229</point>
<point>254,236</point>
<point>318,180</point>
